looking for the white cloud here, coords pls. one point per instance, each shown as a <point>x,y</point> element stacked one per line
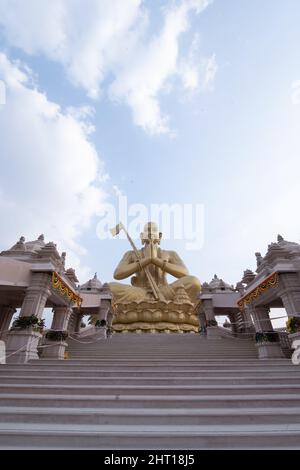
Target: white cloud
<point>295,96</point>
<point>210,71</point>
<point>148,70</point>
<point>117,191</point>
<point>35,26</point>
<point>50,170</point>
<point>99,40</point>
<point>197,73</point>
<point>2,93</point>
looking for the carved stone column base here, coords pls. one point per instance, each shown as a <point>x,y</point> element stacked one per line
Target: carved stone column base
<point>23,341</point>
<point>53,349</point>
<point>269,350</point>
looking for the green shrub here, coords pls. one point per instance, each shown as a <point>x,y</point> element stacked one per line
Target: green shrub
<point>27,322</point>
<point>266,337</point>
<point>293,324</point>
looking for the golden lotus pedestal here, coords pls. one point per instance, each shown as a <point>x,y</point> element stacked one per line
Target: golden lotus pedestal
<point>152,316</point>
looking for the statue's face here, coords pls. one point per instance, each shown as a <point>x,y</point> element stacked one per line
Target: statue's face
<point>154,241</point>
<point>151,235</point>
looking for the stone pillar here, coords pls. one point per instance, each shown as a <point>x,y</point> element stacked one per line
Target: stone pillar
<point>262,323</point>
<point>104,309</point>
<point>6,314</point>
<point>56,349</point>
<point>110,317</point>
<point>233,321</point>
<point>78,322</point>
<point>36,295</point>
<point>61,317</point>
<point>208,309</point>
<point>248,322</point>
<point>250,312</point>
<point>72,322</point>
<point>213,332</point>
<point>26,341</point>
<point>290,293</point>
<point>261,318</point>
<point>104,313</point>
<point>202,322</point>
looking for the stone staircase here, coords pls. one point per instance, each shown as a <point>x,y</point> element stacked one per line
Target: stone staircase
<point>152,391</point>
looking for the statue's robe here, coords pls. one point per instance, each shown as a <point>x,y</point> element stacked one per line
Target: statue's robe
<point>141,290</point>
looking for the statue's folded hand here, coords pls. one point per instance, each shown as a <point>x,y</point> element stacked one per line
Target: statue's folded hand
<point>157,261</point>
<point>160,262</point>
<point>145,261</point>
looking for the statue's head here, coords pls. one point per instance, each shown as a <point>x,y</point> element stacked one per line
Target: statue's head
<point>151,234</point>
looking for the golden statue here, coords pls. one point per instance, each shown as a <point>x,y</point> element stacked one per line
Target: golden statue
<point>149,293</point>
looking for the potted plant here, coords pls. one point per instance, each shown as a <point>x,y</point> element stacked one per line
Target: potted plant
<point>266,337</point>
<point>56,335</point>
<point>293,325</point>
<point>22,323</point>
<point>54,344</point>
<point>293,328</point>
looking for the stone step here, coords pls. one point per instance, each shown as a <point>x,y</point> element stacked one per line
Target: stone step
<point>150,372</point>
<point>141,358</point>
<point>172,349</point>
<point>105,346</point>
<point>192,350</point>
<point>164,347</point>
<point>187,344</point>
<point>114,416</point>
<point>285,436</point>
<point>154,364</point>
<point>65,366</point>
<point>155,338</point>
<point>159,356</point>
<point>160,359</point>
<point>163,353</point>
<point>44,378</point>
<point>159,340</point>
<point>161,362</point>
<point>165,350</point>
<point>149,389</point>
<point>151,401</point>
<point>263,365</point>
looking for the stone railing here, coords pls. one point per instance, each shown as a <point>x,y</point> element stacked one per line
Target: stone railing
<point>285,343</point>
<point>87,331</point>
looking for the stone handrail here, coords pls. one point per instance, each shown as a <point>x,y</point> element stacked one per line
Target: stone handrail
<point>87,331</point>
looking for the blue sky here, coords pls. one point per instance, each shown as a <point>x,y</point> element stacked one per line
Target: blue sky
<point>189,101</point>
